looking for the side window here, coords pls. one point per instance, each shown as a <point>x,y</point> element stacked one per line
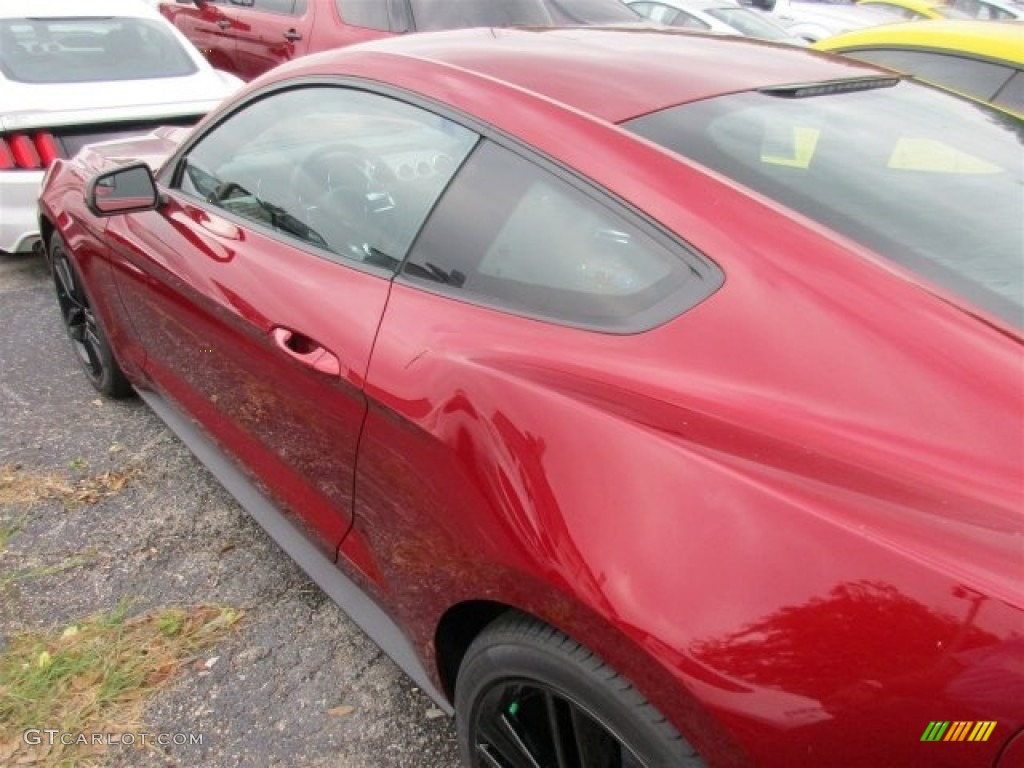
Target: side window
<point>511,234</point>
<point>897,10</point>
<point>980,79</point>
<point>685,20</point>
<point>283,7</point>
<point>347,172</point>
<point>981,10</point>
<point>1011,95</point>
<point>372,14</point>
<point>659,13</point>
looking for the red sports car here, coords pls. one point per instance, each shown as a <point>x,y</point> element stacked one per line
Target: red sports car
<point>653,399</point>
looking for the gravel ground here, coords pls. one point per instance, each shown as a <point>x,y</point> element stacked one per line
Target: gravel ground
<point>172,536</point>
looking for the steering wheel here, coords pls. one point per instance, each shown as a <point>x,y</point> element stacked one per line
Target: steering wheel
<point>342,187</point>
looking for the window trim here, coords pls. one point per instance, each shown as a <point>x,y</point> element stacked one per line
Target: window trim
<point>706,268</point>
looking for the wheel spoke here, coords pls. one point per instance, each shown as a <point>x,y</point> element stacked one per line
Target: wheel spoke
<point>524,725</point>
<point>74,319</point>
<point>502,739</point>
<point>595,746</point>
<point>562,730</point>
<point>68,287</point>
<point>78,317</point>
<point>490,760</point>
<point>92,345</point>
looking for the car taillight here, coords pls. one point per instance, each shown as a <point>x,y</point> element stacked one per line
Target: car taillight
<point>28,151</point>
<point>47,148</point>
<point>6,156</point>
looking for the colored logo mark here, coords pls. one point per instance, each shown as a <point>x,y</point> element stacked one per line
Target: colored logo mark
<point>959,730</point>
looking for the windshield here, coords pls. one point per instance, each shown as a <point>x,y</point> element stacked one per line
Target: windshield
<point>93,49</point>
<point>749,23</point>
<point>933,182</point>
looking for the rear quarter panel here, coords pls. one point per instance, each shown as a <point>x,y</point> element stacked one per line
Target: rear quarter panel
<point>714,549</point>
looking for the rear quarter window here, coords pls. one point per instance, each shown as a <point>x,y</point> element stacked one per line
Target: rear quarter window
<point>1011,96</point>
<point>511,234</point>
<point>980,79</point>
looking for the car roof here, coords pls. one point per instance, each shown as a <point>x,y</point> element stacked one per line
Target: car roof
<point>611,74</point>
<point>20,9</point>
<point>988,39</point>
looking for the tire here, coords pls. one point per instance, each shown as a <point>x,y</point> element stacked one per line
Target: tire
<point>83,326</point>
<point>519,672</point>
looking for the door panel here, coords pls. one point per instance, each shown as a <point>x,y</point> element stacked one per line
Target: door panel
<point>211,303</point>
<point>258,286</point>
<point>211,28</point>
<point>271,33</point>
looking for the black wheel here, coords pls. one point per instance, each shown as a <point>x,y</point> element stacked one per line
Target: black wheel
<point>83,327</point>
<point>528,696</point>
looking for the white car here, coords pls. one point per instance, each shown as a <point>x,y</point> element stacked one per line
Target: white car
<point>815,20</point>
<point>74,73</point>
<point>717,16</point>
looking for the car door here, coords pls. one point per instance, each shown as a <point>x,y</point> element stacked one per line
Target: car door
<point>210,28</point>
<point>271,32</point>
<point>257,287</point>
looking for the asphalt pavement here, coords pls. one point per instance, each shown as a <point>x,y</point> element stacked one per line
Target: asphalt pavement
<point>297,685</point>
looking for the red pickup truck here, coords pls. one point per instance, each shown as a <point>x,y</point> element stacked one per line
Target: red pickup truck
<point>248,37</point>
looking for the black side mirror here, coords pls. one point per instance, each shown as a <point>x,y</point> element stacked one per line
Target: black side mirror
<point>127,189</point>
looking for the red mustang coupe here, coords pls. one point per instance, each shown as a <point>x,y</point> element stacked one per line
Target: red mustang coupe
<point>653,399</point>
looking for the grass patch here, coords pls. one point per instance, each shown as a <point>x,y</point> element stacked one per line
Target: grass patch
<point>96,676</point>
<point>30,574</point>
<point>9,529</point>
<point>21,488</point>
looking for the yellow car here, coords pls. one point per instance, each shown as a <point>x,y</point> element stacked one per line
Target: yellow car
<point>916,10</point>
<point>982,60</point>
